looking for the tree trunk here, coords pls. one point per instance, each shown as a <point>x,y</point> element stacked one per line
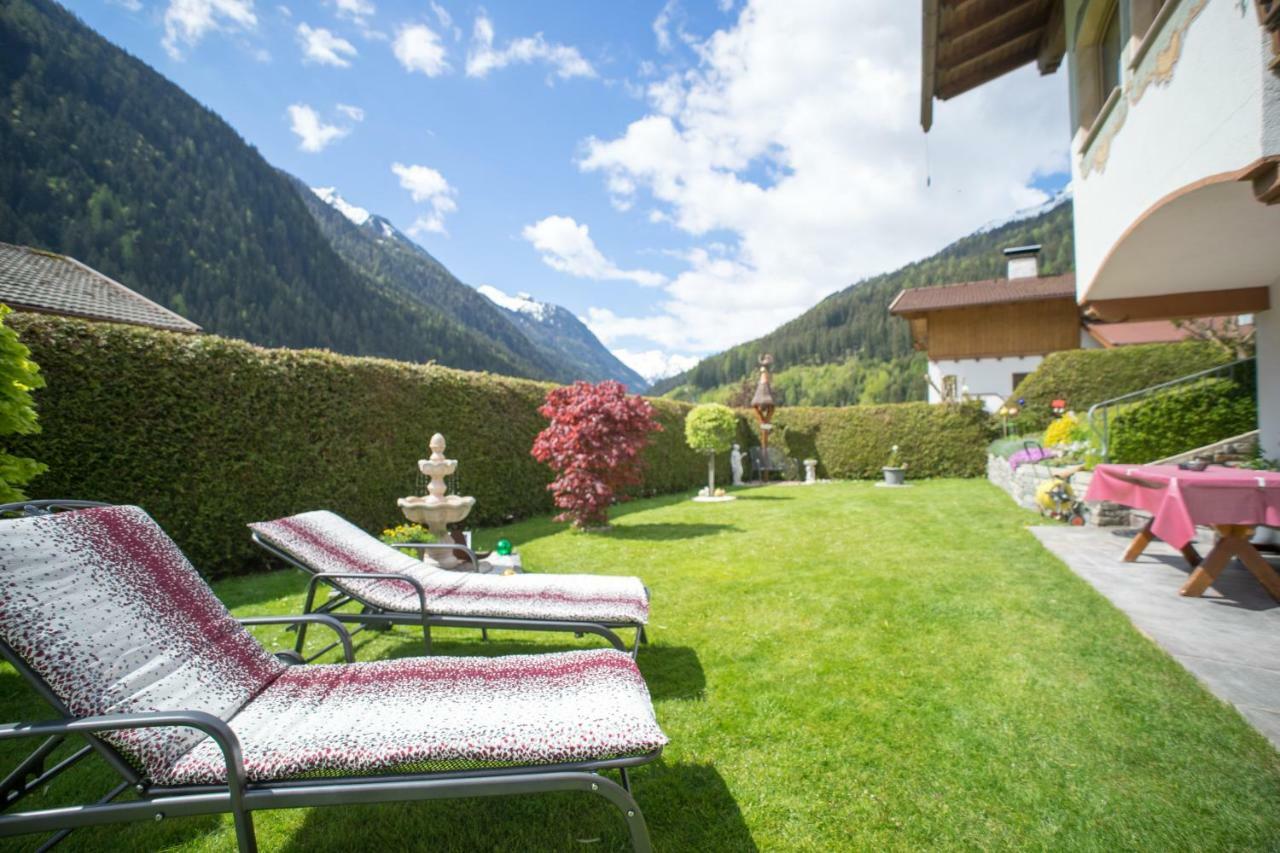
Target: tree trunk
<point>711,474</point>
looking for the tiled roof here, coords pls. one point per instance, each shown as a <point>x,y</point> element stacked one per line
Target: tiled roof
<point>34,280</point>
<point>918,300</point>
<point>1145,332</point>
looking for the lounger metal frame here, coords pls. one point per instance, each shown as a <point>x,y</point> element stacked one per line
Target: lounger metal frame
<point>372,615</point>
<point>240,797</point>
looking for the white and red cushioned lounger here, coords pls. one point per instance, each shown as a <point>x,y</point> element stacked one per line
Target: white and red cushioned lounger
<point>101,611</point>
<point>335,550</point>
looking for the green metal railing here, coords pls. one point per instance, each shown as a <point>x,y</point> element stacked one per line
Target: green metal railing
<point>1099,413</point>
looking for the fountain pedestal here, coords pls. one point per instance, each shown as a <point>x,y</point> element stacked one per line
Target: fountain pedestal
<point>436,509</point>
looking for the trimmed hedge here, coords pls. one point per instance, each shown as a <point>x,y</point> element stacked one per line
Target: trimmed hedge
<point>1182,419</point>
<point>1083,377</point>
<point>854,442</point>
<point>209,433</point>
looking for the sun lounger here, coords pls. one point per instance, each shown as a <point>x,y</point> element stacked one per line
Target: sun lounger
<point>395,588</point>
<point>102,614</point>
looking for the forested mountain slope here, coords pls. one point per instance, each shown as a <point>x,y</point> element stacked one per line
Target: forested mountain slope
<point>107,161</point>
<point>854,330</point>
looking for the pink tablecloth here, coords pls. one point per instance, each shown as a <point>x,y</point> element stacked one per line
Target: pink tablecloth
<point>1178,500</point>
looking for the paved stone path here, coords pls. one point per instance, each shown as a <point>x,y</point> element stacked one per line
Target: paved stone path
<point>1229,638</point>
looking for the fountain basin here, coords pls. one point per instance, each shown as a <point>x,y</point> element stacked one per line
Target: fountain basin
<point>435,512</point>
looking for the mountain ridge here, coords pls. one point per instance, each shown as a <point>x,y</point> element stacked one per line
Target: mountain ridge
<point>854,324</point>
<point>550,336</point>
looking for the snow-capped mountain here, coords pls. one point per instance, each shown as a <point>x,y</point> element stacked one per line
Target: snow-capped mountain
<point>555,329</point>
<point>544,340</point>
<point>330,196</point>
<point>1028,212</point>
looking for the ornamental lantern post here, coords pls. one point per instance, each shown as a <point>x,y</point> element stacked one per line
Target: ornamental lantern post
<point>762,402</point>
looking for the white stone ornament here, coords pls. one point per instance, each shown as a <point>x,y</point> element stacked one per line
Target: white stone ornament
<point>436,509</point>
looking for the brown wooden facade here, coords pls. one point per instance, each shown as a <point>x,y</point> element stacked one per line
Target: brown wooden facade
<point>998,331</point>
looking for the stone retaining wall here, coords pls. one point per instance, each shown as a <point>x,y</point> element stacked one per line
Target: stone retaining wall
<point>1021,485</point>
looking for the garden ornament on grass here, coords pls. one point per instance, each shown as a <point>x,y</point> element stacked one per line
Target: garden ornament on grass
<point>894,470</point>
<point>735,464</point>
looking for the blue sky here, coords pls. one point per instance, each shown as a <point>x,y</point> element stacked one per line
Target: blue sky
<point>683,175</point>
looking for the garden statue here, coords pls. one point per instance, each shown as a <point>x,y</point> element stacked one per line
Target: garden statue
<point>735,464</point>
<point>811,470</point>
<point>436,509</point>
<point>710,428</point>
<point>762,401</point>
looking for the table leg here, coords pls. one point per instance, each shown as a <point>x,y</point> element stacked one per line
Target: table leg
<point>1254,562</point>
<point>1209,569</point>
<point>1233,541</point>
<point>1140,542</point>
<point>1191,555</point>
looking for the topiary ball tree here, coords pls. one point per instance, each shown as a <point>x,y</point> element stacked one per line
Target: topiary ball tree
<point>710,429</point>
<point>19,375</point>
<point>594,444</point>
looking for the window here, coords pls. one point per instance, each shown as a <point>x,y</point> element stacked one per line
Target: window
<point>950,389</point>
<point>1109,51</point>
<point>1017,380</point>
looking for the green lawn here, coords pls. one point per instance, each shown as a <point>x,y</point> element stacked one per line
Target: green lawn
<point>838,667</point>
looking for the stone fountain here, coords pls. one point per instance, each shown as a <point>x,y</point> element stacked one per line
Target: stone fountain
<point>436,509</point>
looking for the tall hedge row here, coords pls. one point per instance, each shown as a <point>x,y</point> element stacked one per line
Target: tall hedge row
<point>1181,419</point>
<point>1083,377</point>
<point>854,442</point>
<point>209,433</point>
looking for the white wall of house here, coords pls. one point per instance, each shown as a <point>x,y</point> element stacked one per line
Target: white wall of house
<point>1207,118</point>
<point>1268,339</point>
<point>991,379</point>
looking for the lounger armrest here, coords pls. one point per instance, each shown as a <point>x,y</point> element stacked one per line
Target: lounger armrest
<point>214,727</point>
<point>344,636</point>
<point>372,576</point>
<point>444,546</point>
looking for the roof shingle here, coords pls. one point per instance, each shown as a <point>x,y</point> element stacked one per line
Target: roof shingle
<point>34,280</point>
<point>969,294</point>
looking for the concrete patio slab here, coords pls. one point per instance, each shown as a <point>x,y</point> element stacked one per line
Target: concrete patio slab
<point>1229,638</point>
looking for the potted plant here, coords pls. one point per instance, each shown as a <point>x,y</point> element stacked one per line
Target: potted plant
<point>894,470</point>
<point>710,429</point>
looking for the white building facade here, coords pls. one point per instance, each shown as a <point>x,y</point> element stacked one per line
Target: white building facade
<point>1175,109</point>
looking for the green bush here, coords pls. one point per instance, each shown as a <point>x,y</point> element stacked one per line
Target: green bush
<point>710,428</point>
<point>1181,419</point>
<point>854,442</point>
<point>19,376</point>
<point>208,434</point>
<point>1083,377</point>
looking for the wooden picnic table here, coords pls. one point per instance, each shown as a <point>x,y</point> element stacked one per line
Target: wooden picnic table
<point>1232,501</point>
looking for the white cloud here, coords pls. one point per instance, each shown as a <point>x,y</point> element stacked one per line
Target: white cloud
<point>127,5</point>
<point>186,22</point>
<point>419,49</point>
<point>654,364</point>
<point>567,246</point>
<point>797,135</point>
<point>355,10</point>
<point>426,185</point>
<point>446,21</point>
<point>483,58</point>
<point>313,133</point>
<point>322,47</point>
<point>353,113</point>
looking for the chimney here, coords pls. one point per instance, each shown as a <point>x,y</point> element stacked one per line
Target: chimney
<point>1023,261</point>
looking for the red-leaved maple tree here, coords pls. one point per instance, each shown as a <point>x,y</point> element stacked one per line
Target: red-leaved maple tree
<point>594,444</point>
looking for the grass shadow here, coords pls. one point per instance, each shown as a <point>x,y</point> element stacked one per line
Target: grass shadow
<point>686,806</point>
<point>667,532</point>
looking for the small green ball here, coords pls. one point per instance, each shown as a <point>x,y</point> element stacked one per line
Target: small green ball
<point>504,547</point>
